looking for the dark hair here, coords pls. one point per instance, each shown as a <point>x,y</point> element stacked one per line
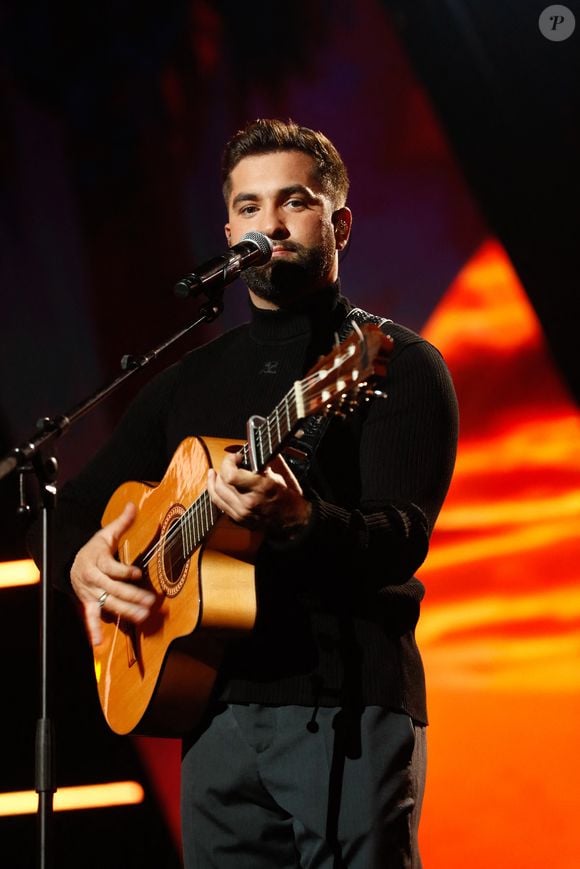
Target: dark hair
<point>267,135</point>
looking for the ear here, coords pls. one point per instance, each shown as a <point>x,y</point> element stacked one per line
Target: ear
<point>228,233</point>
<point>342,220</point>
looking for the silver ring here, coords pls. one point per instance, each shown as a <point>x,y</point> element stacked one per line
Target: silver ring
<point>102,599</point>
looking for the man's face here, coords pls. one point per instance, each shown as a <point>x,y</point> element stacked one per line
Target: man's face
<point>279,195</point>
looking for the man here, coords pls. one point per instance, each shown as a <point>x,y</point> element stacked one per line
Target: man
<point>312,751</point>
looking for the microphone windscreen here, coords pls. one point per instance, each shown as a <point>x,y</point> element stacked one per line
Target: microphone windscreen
<point>262,241</point>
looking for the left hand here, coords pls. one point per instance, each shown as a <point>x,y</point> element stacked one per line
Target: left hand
<point>271,501</point>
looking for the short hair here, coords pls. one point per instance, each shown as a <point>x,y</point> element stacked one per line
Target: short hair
<point>267,135</point>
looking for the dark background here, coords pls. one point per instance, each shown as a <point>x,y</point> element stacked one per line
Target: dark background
<point>457,120</point>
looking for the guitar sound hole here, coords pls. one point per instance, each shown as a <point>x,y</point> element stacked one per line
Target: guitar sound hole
<point>173,562</point>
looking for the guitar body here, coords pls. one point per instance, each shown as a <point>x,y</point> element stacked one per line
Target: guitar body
<point>157,676</point>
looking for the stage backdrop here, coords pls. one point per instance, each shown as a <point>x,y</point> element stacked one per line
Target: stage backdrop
<point>115,117</point>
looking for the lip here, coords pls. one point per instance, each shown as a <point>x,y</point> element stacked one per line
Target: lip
<point>280,250</point>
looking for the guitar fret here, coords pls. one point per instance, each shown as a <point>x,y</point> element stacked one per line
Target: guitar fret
<point>274,441</point>
<point>291,412</point>
<point>259,446</point>
<point>189,532</point>
<point>184,525</point>
<point>191,523</point>
<point>208,512</point>
<point>190,529</point>
<point>197,530</point>
<point>203,515</point>
<point>196,522</point>
<point>273,427</point>
<point>269,437</point>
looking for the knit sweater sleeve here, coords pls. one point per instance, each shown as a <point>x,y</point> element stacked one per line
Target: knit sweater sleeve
<point>406,456</point>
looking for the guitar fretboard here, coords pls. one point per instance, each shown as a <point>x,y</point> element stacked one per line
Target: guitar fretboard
<point>329,382</point>
<point>269,436</point>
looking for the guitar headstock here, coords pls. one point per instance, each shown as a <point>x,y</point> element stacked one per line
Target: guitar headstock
<point>340,379</point>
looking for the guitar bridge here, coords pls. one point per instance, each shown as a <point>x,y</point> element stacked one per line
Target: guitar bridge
<point>131,642</point>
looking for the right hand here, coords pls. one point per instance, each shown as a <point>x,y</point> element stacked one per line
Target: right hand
<point>96,571</point>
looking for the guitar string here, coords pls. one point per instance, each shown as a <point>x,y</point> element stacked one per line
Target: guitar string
<point>196,510</point>
<point>193,515</point>
<point>193,512</point>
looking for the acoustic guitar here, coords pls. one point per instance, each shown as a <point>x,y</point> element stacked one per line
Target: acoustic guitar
<point>157,677</point>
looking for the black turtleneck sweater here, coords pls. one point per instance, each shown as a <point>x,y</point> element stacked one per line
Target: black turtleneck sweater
<point>337,606</point>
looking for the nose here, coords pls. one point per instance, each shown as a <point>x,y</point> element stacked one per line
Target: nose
<point>273,224</point>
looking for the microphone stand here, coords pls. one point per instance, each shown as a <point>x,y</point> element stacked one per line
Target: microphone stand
<point>32,456</point>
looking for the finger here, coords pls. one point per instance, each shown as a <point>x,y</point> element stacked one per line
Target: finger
<point>220,491</point>
<point>238,506</point>
<point>247,482</point>
<point>92,614</point>
<point>211,481</point>
<point>281,467</point>
<point>242,478</point>
<point>224,499</point>
<point>232,460</point>
<point>248,498</point>
<point>120,602</point>
<point>111,534</point>
<point>115,569</point>
<point>124,601</point>
<point>228,466</point>
<point>91,575</point>
<point>115,529</point>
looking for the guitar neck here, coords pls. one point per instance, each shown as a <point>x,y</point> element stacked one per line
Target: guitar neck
<point>269,436</point>
<point>334,378</point>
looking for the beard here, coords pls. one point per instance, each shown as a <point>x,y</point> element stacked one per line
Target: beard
<point>285,281</point>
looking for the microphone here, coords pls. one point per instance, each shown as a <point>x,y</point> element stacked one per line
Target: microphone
<point>255,248</point>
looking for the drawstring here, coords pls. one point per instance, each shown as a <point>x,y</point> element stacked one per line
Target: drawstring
<point>317,685</point>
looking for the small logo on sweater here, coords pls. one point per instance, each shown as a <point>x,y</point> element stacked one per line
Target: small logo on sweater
<point>270,367</point>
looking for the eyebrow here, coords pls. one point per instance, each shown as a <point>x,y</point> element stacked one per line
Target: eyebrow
<point>284,192</point>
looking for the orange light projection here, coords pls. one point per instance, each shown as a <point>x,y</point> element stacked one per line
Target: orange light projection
<point>121,793</point>
<point>16,573</point>
<point>500,629</point>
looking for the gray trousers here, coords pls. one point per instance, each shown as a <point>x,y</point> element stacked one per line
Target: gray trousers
<point>266,787</point>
